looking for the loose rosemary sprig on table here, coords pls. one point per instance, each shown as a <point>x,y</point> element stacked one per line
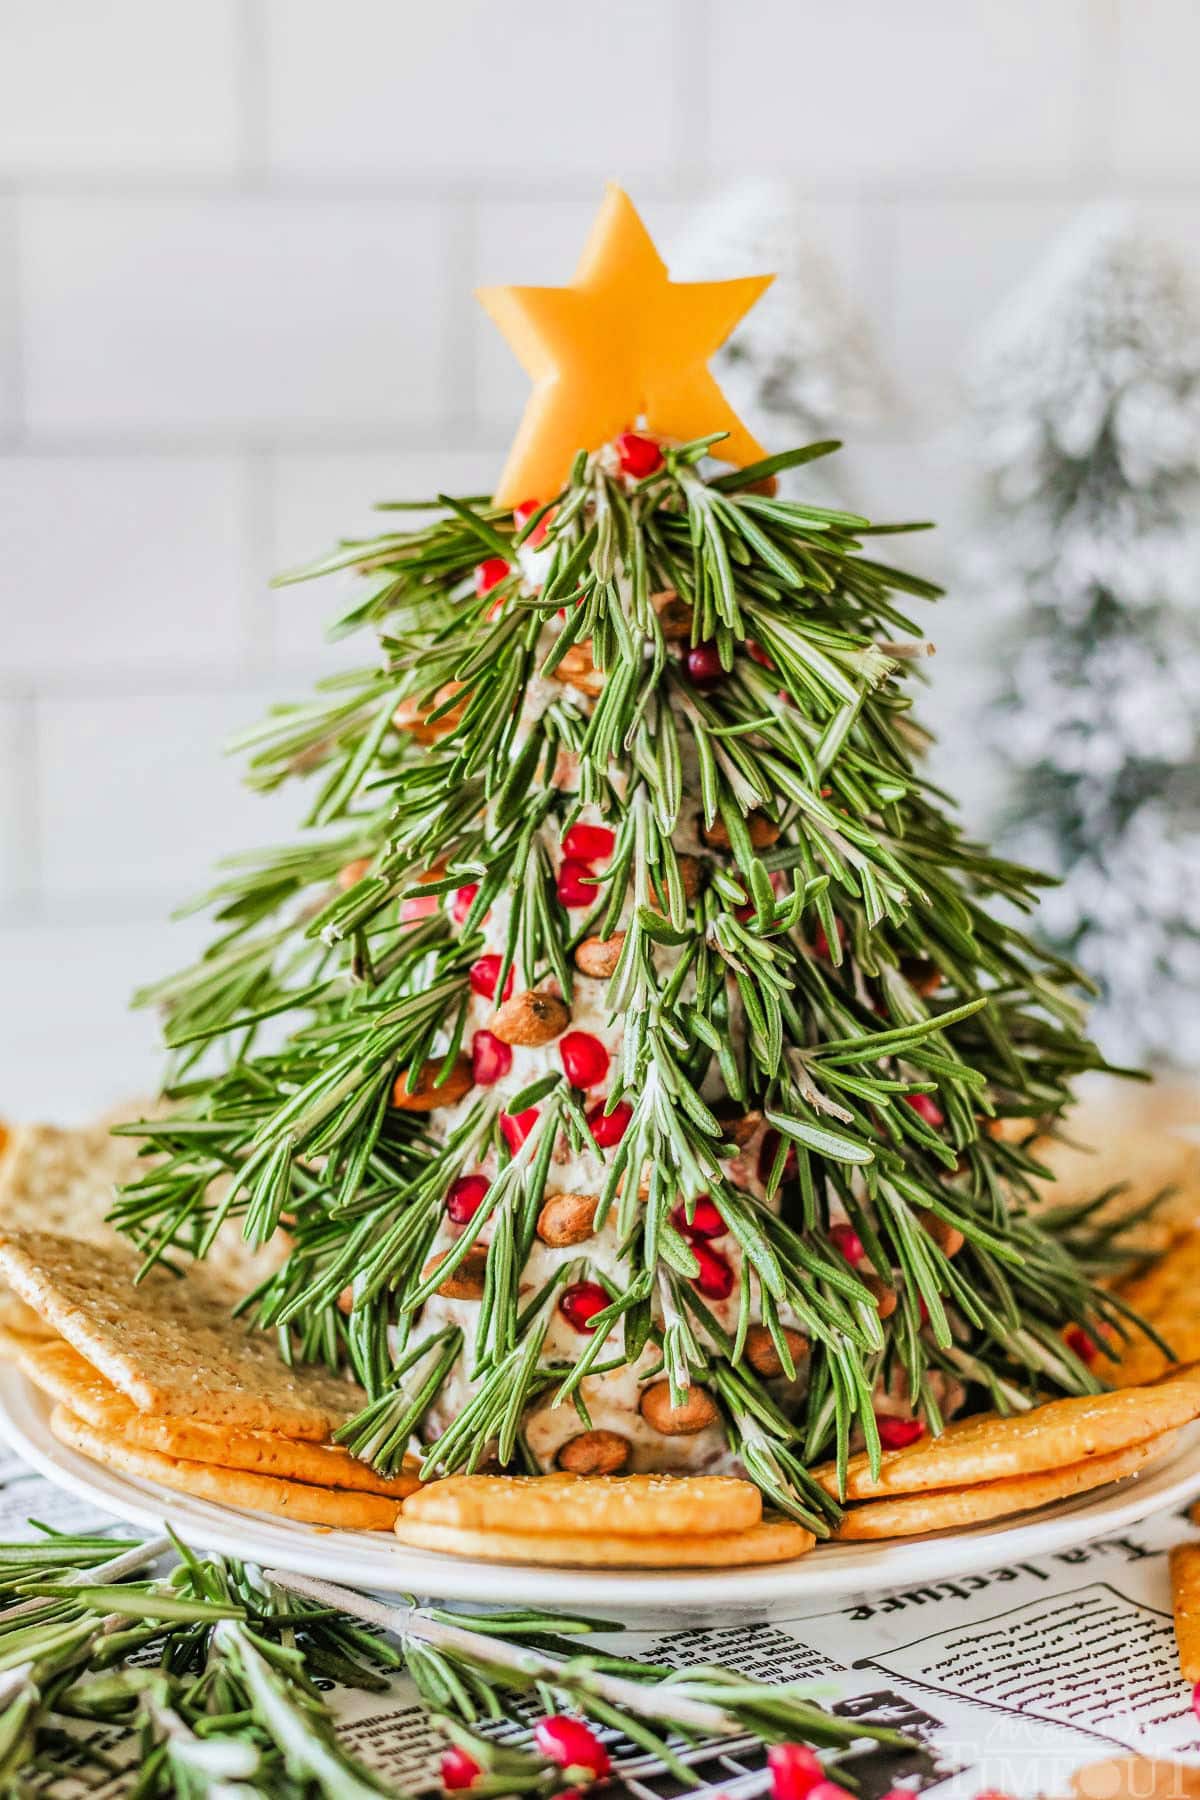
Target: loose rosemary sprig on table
<point>212,1668</point>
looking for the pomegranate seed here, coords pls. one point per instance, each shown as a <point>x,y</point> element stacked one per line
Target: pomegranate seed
<point>576,883</point>
<point>715,1280</point>
<point>704,665</point>
<point>588,843</point>
<point>419,907</point>
<point>572,1745</point>
<point>795,1771</point>
<point>744,913</point>
<point>581,1302</point>
<point>1082,1343</point>
<point>483,975</point>
<point>516,1127</point>
<point>491,1058</point>
<point>522,513</point>
<point>608,1128</point>
<point>490,573</point>
<point>584,1059</point>
<point>849,1243</point>
<point>458,1769</point>
<point>705,1222</point>
<point>927,1108</point>
<point>464,899</point>
<point>897,1434</point>
<point>767,1151</point>
<point>465,1197</point>
<point>759,654</point>
<point>821,940</point>
<point>638,456</point>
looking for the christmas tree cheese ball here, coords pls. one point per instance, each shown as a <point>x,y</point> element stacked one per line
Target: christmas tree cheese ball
<point>635,1056</point>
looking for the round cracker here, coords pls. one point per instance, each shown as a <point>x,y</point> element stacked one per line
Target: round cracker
<point>770,1541</point>
<point>988,1447</point>
<point>590,1505</point>
<point>229,1487</point>
<point>956,1508</point>
<point>1185,1604</point>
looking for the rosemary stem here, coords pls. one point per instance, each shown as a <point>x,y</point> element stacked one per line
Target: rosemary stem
<point>115,1569</point>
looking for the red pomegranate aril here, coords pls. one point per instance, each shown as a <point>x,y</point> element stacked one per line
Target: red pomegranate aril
<point>927,1108</point>
<point>576,883</point>
<point>581,1302</point>
<point>459,1770</point>
<point>588,843</point>
<point>849,1243</point>
<point>522,513</point>
<point>1082,1343</point>
<point>715,1280</point>
<point>465,1198</point>
<point>419,907</point>
<point>897,1434</point>
<point>821,940</point>
<point>705,1222</point>
<point>516,1127</point>
<point>491,1058</point>
<point>490,573</point>
<point>795,1771</point>
<point>703,663</point>
<point>572,1745</point>
<point>464,899</point>
<point>584,1059</point>
<point>638,456</point>
<point>608,1128</point>
<point>483,975</point>
<point>744,913</point>
<point>758,654</point>
<point>767,1152</point>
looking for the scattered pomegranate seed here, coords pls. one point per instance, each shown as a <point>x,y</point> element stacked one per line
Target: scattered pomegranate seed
<point>744,913</point>
<point>489,573</point>
<point>576,883</point>
<point>849,1243</point>
<point>759,655</point>
<point>897,1434</point>
<point>1082,1343</point>
<point>419,907</point>
<point>705,1222</point>
<point>522,513</point>
<point>465,1197</point>
<point>767,1151</point>
<point>491,1058</point>
<point>899,1794</point>
<point>588,843</point>
<point>927,1108</point>
<point>608,1128</point>
<point>715,1280</point>
<point>821,940</point>
<point>516,1127</point>
<point>795,1771</point>
<point>483,975</point>
<point>458,1769</point>
<point>572,1745</point>
<point>703,664</point>
<point>581,1302</point>
<point>584,1059</point>
<point>464,898</point>
<point>638,456</point>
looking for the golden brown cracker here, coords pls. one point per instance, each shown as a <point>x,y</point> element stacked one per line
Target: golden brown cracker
<point>988,1447</point>
<point>770,1541</point>
<point>1185,1601</point>
<point>948,1509</point>
<point>590,1505</point>
<point>228,1487</point>
<point>169,1344</point>
<point>67,1378</point>
<point>1136,1778</point>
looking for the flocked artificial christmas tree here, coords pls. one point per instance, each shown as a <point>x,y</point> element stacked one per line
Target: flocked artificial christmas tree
<point>656,1080</point>
<point>1087,413</point>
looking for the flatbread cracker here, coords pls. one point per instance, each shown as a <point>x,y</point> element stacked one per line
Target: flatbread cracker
<point>590,1505</point>
<point>956,1508</point>
<point>63,1374</point>
<point>169,1344</point>
<point>1185,1601</point>
<point>1165,1296</point>
<point>988,1447</point>
<point>228,1487</point>
<point>770,1541</point>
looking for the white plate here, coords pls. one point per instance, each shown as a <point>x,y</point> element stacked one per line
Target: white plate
<point>374,1560</point>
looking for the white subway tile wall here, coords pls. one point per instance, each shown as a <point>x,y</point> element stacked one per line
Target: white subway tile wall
<point>238,240</point>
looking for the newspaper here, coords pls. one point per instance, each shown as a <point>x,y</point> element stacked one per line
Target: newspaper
<point>1011,1680</point>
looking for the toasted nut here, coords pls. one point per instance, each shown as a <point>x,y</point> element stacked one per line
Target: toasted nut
<point>643,1192</point>
<point>567,1219</point>
<point>353,872</point>
<point>737,1126</point>
<point>466,1281</point>
<point>763,832</point>
<point>595,1453</point>
<point>578,670</point>
<point>762,1354</point>
<point>886,1297</point>
<point>531,1018</point>
<point>1010,1130</point>
<point>426,1096</point>
<point>698,1410</point>
<point>674,615</point>
<point>599,956</point>
<point>769,485</point>
<point>923,976</point>
<point>948,1238</point>
<point>412,715</point>
<point>691,874</point>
